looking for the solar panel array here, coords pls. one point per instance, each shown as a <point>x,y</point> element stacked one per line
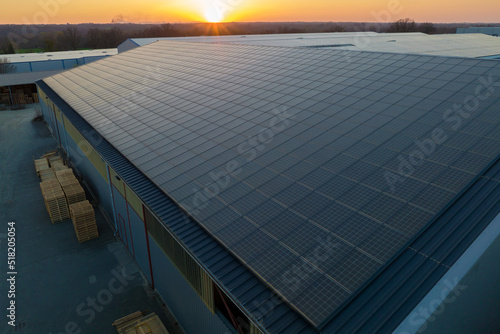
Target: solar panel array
<point>312,170</point>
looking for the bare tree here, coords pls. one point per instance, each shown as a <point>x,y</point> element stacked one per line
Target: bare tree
<point>71,38</point>
<point>6,66</point>
<point>164,30</point>
<point>403,25</point>
<point>49,43</point>
<point>335,28</point>
<point>7,47</point>
<point>427,28</point>
<point>94,38</point>
<point>113,37</point>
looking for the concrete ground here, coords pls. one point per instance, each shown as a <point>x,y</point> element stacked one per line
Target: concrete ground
<point>61,286</point>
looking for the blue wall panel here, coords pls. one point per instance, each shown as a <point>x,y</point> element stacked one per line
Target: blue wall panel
<point>133,234</point>
<point>49,65</point>
<point>122,221</point>
<point>63,134</point>
<point>140,244</point>
<point>22,67</point>
<point>70,63</point>
<point>181,298</point>
<point>48,115</point>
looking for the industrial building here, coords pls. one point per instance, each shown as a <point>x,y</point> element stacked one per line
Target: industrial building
<point>472,45</point>
<point>266,189</point>
<point>18,86</point>
<point>492,31</point>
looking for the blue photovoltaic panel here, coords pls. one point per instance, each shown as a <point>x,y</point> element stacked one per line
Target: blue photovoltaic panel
<point>313,170</point>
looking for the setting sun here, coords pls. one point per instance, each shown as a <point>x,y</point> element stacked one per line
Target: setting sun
<point>213,14</point>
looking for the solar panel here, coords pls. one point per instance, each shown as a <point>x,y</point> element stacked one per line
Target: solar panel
<point>294,159</point>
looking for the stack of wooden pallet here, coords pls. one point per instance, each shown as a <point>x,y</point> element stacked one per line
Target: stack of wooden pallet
<point>55,200</point>
<point>41,164</point>
<point>83,217</point>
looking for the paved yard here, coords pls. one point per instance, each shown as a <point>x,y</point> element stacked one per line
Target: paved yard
<point>61,286</point>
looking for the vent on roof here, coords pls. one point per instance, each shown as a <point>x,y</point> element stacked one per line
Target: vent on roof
<point>329,46</point>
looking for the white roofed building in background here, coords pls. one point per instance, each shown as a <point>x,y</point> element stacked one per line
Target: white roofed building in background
<point>470,45</point>
<point>48,61</point>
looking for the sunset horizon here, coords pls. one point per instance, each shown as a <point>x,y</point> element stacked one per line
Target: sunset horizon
<point>241,11</point>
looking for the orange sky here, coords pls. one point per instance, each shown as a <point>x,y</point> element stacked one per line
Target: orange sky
<point>103,11</point>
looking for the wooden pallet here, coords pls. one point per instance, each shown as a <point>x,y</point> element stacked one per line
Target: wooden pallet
<point>74,193</point>
<point>50,186</point>
<point>56,160</point>
<point>67,181</point>
<point>47,174</point>
<point>58,165</point>
<point>83,217</point>
<point>41,164</point>
<point>64,173</point>
<point>49,154</point>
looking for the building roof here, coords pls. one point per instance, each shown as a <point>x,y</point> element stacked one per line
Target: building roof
<point>317,175</point>
<point>13,79</point>
<point>255,38</point>
<point>479,30</point>
<point>60,55</point>
<point>471,45</point>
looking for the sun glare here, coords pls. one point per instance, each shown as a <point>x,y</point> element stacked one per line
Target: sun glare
<point>213,14</point>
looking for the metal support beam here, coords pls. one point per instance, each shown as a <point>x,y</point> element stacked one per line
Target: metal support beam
<point>112,199</point>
